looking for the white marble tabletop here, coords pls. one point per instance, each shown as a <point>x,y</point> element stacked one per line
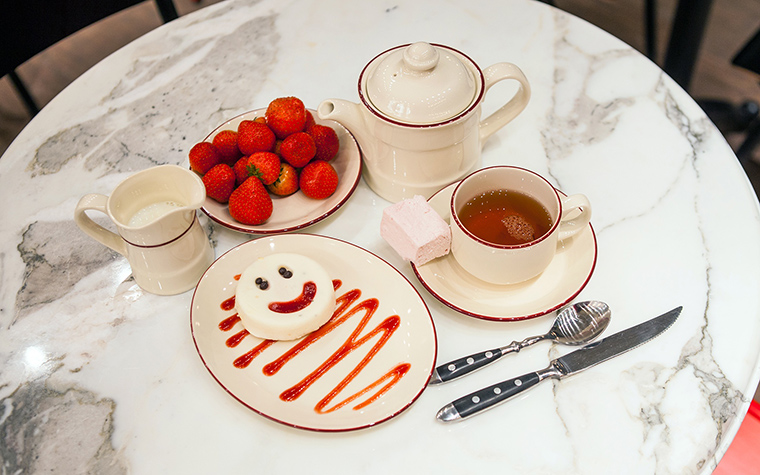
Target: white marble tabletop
<point>98,376</point>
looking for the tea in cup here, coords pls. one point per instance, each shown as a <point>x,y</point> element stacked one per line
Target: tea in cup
<point>154,212</point>
<point>507,221</point>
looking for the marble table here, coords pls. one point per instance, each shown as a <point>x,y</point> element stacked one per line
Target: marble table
<point>99,376</point>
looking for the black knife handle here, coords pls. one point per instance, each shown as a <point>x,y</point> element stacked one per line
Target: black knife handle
<point>460,367</point>
<point>492,395</point>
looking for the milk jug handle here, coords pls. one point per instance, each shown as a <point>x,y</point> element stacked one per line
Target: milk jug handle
<point>496,73</point>
<point>97,202</point>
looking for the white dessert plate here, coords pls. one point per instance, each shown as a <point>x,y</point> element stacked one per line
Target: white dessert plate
<point>566,276</point>
<point>388,353</point>
<point>296,211</point>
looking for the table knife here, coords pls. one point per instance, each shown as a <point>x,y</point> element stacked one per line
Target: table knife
<point>586,357</point>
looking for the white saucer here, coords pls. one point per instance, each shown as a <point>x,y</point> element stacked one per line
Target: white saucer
<point>566,276</point>
<point>409,352</point>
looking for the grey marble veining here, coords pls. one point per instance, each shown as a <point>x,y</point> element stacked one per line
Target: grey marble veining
<point>151,132</point>
<point>56,256</point>
<point>31,432</point>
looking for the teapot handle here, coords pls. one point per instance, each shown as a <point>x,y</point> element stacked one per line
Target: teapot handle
<point>97,202</point>
<point>510,110</point>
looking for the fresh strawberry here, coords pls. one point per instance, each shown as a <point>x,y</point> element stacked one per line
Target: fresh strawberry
<point>318,180</point>
<point>254,137</point>
<point>265,166</point>
<point>203,157</point>
<point>285,116</point>
<point>242,126</point>
<point>298,149</point>
<point>287,183</point>
<point>326,141</point>
<point>226,142</point>
<point>241,171</point>
<point>261,120</point>
<point>250,203</point>
<point>219,182</point>
<point>309,121</point>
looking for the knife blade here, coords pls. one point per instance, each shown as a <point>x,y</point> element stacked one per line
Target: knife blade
<point>586,357</point>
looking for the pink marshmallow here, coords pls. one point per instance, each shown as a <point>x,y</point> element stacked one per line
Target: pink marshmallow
<point>415,231</point>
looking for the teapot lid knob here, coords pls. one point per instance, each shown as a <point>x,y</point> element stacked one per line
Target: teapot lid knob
<point>421,56</point>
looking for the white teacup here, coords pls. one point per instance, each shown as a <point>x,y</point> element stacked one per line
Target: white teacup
<point>154,212</point>
<point>514,263</point>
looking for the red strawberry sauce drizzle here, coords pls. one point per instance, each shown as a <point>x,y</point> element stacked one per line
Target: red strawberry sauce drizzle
<point>341,315</point>
<point>229,304</point>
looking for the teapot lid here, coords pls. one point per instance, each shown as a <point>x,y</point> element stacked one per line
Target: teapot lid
<point>420,83</point>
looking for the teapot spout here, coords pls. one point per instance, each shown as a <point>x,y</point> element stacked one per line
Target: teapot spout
<point>347,114</point>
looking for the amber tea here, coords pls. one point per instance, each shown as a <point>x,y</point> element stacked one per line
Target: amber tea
<point>505,217</point>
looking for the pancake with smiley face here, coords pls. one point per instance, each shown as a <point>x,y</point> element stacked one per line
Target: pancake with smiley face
<point>284,296</point>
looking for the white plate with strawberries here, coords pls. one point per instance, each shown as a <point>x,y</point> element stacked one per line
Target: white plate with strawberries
<point>281,213</point>
<point>366,365</point>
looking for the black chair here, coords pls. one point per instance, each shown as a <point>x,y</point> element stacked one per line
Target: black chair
<point>687,31</point>
<point>745,117</point>
<point>688,28</point>
<point>27,27</point>
<point>650,26</point>
<point>749,58</point>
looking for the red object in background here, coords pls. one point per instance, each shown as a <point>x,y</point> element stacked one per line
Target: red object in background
<point>742,456</point>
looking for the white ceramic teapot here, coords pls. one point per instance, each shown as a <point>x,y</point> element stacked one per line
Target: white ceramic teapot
<point>418,123</point>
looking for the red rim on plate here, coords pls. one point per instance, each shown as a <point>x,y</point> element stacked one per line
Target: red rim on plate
<point>554,288</point>
<point>387,306</point>
<point>296,211</point>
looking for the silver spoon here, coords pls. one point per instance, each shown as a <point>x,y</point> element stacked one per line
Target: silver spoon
<point>575,325</point>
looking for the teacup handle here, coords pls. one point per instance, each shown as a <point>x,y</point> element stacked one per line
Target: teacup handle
<point>574,222</point>
<point>97,202</point>
<point>510,110</point>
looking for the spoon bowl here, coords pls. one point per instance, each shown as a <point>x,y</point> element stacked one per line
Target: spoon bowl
<point>576,324</point>
<point>580,323</point>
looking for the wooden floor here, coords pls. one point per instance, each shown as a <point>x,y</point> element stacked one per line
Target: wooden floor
<point>731,24</point>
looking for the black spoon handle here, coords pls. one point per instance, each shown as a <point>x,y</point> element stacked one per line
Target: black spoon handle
<point>467,364</point>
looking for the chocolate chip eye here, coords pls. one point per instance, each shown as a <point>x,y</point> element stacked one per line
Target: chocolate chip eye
<point>285,273</point>
<point>262,283</point>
